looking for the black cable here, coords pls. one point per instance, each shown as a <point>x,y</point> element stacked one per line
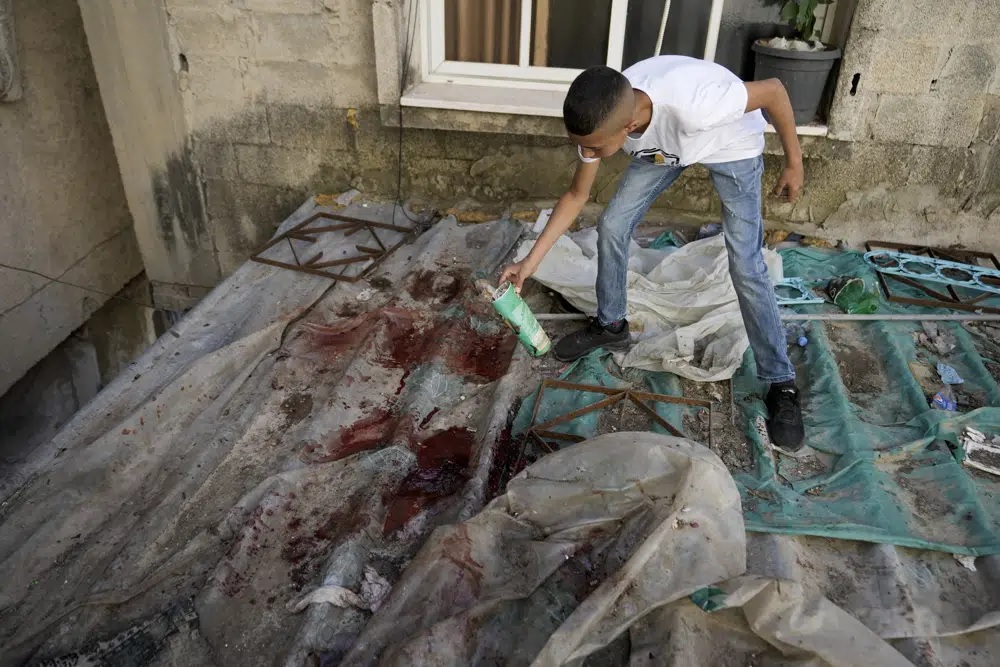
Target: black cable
<point>64,282</point>
<point>411,28</point>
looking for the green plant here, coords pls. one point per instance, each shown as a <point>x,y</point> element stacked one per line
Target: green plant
<point>800,14</point>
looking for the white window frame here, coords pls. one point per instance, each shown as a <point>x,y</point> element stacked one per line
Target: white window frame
<point>435,68</point>
<point>524,89</point>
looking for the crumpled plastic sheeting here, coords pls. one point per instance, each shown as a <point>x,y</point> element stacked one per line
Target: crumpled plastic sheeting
<point>268,444</point>
<point>764,621</point>
<point>586,544</point>
<point>683,308</point>
<point>595,549</point>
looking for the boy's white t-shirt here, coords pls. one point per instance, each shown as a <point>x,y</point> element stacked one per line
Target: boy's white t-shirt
<point>699,114</point>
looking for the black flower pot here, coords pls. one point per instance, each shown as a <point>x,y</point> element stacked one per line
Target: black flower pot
<point>804,74</point>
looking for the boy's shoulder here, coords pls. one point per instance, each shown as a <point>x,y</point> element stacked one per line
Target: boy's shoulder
<point>676,69</point>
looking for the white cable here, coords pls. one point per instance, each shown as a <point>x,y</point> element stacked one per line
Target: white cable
<point>663,27</point>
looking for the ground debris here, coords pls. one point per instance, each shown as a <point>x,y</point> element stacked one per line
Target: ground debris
<point>470,216</point>
<point>935,338</point>
<point>982,452</point>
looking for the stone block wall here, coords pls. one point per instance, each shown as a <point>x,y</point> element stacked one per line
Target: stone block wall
<point>283,98</point>
<point>274,94</point>
<point>914,128</point>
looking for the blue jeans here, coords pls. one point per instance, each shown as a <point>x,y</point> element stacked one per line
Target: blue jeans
<point>739,186</point>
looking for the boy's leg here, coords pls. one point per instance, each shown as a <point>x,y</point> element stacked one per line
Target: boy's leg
<point>739,186</point>
<point>639,186</point>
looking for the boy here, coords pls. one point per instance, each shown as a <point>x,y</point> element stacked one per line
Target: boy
<point>669,112</point>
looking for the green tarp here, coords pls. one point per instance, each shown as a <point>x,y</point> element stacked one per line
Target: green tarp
<point>883,466</point>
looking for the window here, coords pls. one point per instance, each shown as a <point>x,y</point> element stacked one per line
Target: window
<point>519,56</point>
<point>548,41</point>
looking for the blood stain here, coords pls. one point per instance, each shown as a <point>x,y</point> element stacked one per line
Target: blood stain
<point>463,350</point>
<point>296,407</point>
<point>402,382</point>
<point>367,433</point>
<point>429,417</point>
<point>442,470</point>
<point>440,286</point>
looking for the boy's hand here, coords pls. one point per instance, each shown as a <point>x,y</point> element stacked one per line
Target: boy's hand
<point>517,273</point>
<point>790,183</point>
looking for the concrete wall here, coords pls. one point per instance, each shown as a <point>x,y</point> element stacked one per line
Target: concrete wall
<point>44,400</point>
<point>62,207</point>
<point>281,98</point>
<point>137,69</point>
<point>915,129</point>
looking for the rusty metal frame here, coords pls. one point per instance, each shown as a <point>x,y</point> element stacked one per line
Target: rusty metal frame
<point>614,396</point>
<point>313,266</point>
<point>940,299</point>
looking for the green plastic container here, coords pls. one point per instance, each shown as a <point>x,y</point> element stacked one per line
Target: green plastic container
<point>852,296</point>
<point>516,313</point>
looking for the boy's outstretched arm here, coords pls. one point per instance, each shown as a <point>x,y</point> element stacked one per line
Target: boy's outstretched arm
<point>563,215</point>
<point>770,96</point>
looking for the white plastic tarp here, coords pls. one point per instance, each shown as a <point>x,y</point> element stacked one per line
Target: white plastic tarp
<point>682,305</point>
<point>596,548</point>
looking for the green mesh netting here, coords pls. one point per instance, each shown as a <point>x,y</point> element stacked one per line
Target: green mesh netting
<point>883,466</point>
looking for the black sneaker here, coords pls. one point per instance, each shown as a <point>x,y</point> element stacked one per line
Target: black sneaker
<point>580,343</point>
<point>784,423</point>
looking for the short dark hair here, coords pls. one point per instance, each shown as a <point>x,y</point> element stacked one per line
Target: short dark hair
<point>593,97</point>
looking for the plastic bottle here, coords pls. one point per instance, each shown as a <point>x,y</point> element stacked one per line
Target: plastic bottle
<point>852,296</point>
<point>797,334</point>
<point>944,399</point>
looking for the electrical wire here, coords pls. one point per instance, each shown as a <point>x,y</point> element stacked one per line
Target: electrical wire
<point>411,29</point>
<point>663,27</point>
<point>69,284</point>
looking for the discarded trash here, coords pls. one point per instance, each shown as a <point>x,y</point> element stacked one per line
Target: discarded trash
<point>978,453</point>
<point>519,317</point>
<point>711,229</point>
<point>335,595</point>
<point>935,338</point>
<point>851,296</point>
<point>944,399</point>
<point>948,374</point>
<point>924,374</point>
<point>968,562</point>
<point>374,590</point>
<point>782,239</point>
<point>345,198</point>
<point>668,240</point>
<point>366,294</point>
<point>797,334</point>
<point>709,598</point>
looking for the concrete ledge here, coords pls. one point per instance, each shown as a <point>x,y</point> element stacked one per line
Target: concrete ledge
<point>496,123</point>
<point>45,319</point>
<point>472,121</point>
